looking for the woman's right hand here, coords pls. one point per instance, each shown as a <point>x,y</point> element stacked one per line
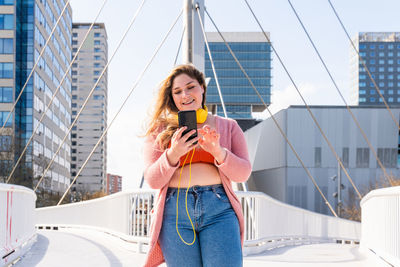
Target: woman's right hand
<point>180,146</point>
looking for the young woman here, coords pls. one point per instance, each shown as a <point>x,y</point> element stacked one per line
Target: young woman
<point>197,219</point>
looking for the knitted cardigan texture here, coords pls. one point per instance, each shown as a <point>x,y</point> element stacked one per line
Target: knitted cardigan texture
<point>158,172</point>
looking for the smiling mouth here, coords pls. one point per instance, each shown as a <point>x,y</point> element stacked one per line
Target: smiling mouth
<point>188,103</point>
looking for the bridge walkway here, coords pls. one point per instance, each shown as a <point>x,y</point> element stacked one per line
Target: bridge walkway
<point>85,247</point>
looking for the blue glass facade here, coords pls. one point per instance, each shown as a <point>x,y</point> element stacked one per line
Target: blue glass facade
<point>237,92</point>
<point>32,22</point>
<point>383,61</point>
<point>23,66</point>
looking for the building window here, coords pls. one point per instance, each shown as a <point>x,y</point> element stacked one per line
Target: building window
<point>381,46</point>
<point>6,22</point>
<point>3,118</point>
<point>362,99</point>
<point>6,70</point>
<point>317,157</point>
<point>5,143</point>
<point>97,57</point>
<point>6,46</point>
<point>6,95</point>
<point>96,34</point>
<point>97,50</point>
<point>345,157</point>
<point>362,158</point>
<point>298,196</point>
<point>388,157</point>
<point>319,204</point>
<point>371,46</point>
<point>372,99</point>
<point>6,2</point>
<point>96,42</point>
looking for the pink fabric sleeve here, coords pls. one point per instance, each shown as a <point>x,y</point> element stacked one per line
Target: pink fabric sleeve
<point>237,166</point>
<point>157,169</point>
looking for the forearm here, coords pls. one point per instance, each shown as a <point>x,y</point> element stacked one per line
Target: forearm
<point>172,158</point>
<point>220,155</point>
<point>159,173</point>
<point>234,167</point>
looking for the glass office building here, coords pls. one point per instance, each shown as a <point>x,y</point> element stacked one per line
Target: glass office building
<point>254,54</point>
<point>25,25</point>
<point>380,52</point>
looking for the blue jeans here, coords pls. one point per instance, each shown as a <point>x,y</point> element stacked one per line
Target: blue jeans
<point>216,225</point>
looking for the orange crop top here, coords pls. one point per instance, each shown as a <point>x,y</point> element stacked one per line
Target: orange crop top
<point>200,155</point>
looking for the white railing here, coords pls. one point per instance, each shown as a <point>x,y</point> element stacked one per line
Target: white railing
<point>17,224</point>
<point>268,222</point>
<point>124,214</point>
<point>380,217</point>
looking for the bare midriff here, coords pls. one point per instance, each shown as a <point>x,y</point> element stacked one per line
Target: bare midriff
<point>202,174</point>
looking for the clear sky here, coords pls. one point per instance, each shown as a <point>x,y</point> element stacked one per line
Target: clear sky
<point>124,145</point>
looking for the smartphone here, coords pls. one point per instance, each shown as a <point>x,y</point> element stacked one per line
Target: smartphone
<point>188,118</point>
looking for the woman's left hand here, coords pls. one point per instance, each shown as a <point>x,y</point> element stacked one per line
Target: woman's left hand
<point>209,141</point>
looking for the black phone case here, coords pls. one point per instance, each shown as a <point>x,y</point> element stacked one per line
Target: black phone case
<point>188,118</point>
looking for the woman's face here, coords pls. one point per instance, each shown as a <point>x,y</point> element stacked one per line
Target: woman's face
<point>187,92</point>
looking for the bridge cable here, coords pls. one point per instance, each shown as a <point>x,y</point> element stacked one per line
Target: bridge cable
<point>197,7</point>
<point>364,65</point>
<point>34,66</point>
<point>273,118</point>
<point>308,108</point>
<point>91,91</point>
<point>341,96</point>
<point>55,93</point>
<point>123,104</point>
<point>211,60</point>
<point>179,47</point>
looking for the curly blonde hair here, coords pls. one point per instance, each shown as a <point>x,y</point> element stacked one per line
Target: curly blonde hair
<point>164,115</point>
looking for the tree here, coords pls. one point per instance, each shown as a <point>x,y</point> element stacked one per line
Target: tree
<point>352,208</point>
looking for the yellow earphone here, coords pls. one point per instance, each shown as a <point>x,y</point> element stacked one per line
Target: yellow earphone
<point>201,115</point>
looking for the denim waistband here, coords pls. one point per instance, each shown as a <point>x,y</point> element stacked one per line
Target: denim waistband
<point>197,188</point>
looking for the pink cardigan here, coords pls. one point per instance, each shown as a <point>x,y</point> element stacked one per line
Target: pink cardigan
<point>158,172</point>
